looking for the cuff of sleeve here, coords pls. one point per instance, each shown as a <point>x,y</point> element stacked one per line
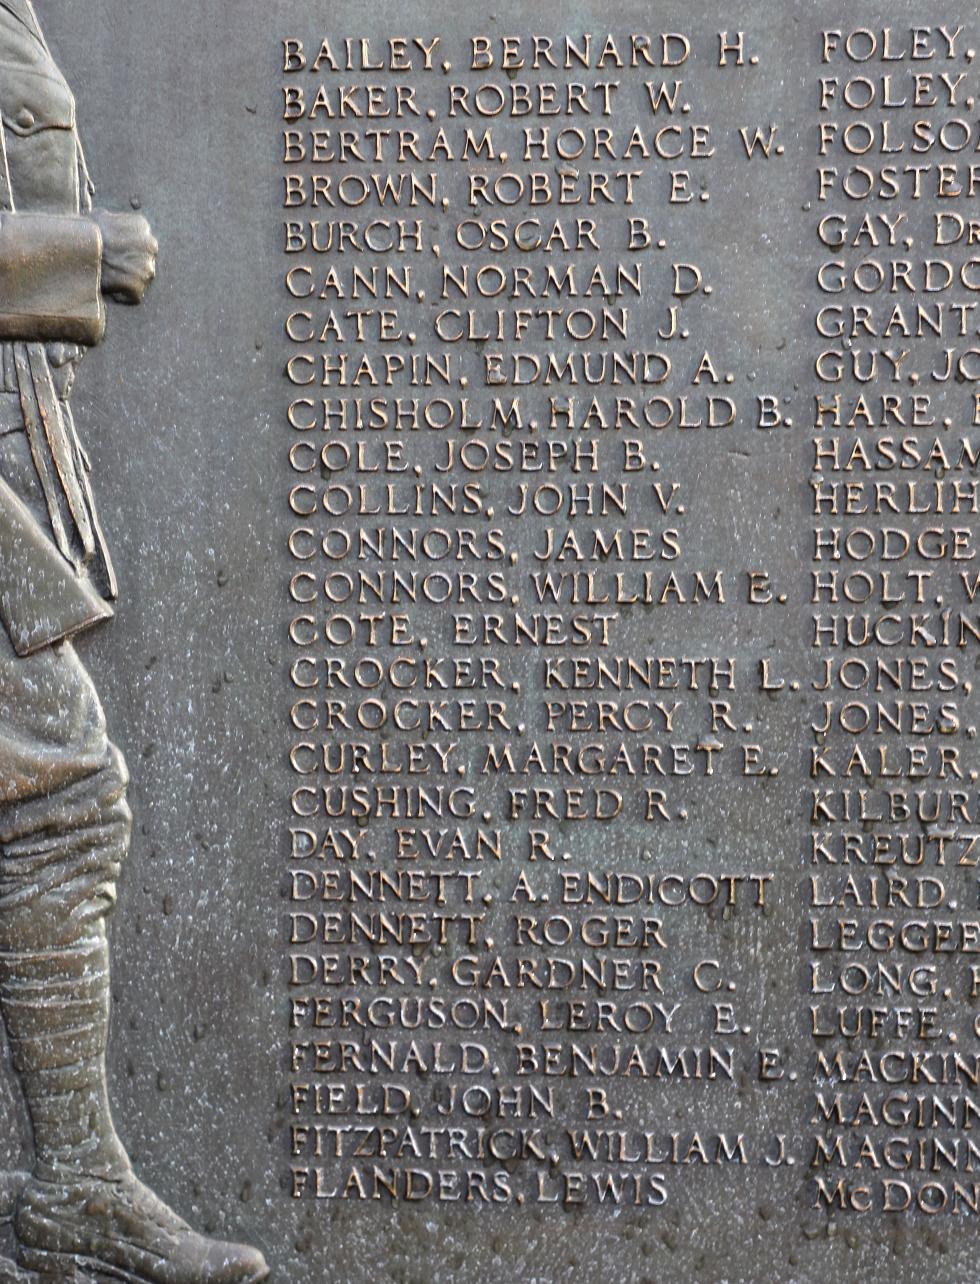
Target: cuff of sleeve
<point>50,278</point>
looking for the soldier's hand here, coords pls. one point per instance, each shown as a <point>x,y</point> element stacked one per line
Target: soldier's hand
<point>129,255</point>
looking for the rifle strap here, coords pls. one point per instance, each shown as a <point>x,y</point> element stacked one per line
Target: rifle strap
<point>6,191</point>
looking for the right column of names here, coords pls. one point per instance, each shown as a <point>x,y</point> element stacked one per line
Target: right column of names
<point>894,845</point>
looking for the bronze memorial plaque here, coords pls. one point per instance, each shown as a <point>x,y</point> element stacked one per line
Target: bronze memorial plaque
<point>490,648</point>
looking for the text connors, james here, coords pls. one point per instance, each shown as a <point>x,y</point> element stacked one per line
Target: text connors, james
<point>64,823</point>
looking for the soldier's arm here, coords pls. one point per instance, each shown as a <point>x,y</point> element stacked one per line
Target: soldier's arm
<point>54,269</point>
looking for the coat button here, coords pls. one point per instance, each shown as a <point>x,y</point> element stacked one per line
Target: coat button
<point>25,118</point>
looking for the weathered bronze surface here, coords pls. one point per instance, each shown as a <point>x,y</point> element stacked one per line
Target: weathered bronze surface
<point>542,499</point>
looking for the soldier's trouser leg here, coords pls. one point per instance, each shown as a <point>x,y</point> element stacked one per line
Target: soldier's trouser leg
<point>64,830</point>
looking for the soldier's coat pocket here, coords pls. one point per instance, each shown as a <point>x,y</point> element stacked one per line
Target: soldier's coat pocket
<point>31,101</point>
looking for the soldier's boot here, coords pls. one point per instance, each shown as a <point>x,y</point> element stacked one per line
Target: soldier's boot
<point>83,1213</point>
<point>113,1231</point>
<point>12,1184</point>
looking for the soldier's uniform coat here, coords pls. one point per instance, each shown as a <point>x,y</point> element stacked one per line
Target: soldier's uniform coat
<point>59,775</point>
<point>55,571</point>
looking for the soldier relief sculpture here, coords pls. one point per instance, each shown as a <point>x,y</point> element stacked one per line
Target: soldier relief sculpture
<point>64,823</point>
